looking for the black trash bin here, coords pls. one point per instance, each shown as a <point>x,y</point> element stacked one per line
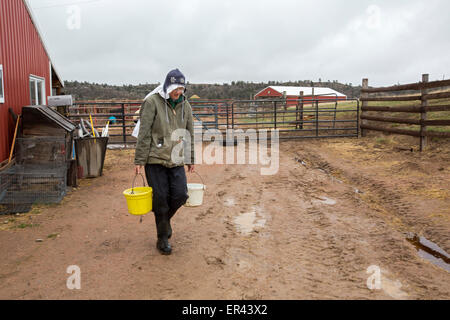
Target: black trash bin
<point>90,154</point>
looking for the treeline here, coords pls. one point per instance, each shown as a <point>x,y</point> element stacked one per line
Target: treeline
<point>234,90</point>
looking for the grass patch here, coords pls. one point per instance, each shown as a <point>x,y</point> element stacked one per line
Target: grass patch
<point>436,115</point>
<point>382,140</point>
<point>53,236</point>
<point>25,225</point>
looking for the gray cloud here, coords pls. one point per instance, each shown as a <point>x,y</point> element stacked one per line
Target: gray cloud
<point>138,41</point>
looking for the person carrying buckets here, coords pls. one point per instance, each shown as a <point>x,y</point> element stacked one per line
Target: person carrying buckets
<point>163,111</point>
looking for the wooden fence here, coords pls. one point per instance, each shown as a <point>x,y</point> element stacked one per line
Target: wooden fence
<point>424,96</point>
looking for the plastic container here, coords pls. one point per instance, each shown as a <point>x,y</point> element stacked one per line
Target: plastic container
<point>195,192</point>
<point>139,200</point>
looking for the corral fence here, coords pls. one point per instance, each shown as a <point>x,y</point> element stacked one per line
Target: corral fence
<point>420,106</point>
<point>297,118</point>
<point>123,115</point>
<point>294,118</point>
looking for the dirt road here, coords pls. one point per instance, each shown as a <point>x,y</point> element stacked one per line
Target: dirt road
<point>334,209</point>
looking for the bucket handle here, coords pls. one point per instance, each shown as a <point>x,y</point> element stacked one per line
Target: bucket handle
<point>132,186</point>
<point>203,183</point>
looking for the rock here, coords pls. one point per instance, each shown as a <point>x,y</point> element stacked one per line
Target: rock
<point>300,161</point>
<point>39,240</point>
<point>410,235</point>
<point>214,261</point>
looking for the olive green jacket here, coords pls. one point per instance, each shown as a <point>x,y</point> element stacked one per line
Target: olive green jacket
<point>157,122</point>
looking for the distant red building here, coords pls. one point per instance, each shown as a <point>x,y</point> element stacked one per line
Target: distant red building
<point>27,75</point>
<point>293,94</point>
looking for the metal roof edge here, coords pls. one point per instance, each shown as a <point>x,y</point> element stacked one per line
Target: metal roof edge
<point>30,13</point>
<point>332,91</point>
<point>55,116</point>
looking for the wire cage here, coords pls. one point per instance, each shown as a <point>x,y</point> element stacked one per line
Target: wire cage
<point>21,185</point>
<point>42,151</point>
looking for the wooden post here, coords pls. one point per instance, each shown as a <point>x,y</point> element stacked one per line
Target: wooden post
<point>365,85</point>
<point>423,114</point>
<point>301,109</point>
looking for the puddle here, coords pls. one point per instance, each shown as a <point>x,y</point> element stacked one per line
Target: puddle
<point>229,202</point>
<point>247,222</point>
<point>325,200</point>
<point>244,265</point>
<point>393,288</point>
<point>430,251</point>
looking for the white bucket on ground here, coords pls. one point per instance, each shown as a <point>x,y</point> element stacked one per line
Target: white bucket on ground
<point>195,192</point>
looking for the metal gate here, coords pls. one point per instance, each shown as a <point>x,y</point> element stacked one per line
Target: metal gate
<point>294,118</point>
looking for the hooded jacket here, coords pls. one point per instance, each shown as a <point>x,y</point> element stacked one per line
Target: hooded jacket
<point>157,122</point>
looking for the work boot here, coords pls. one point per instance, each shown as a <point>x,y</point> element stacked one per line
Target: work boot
<point>163,246</point>
<point>169,233</point>
<point>163,229</point>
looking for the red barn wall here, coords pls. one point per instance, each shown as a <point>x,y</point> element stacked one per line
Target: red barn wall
<point>21,54</point>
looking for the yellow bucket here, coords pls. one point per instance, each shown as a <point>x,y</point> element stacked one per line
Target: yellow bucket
<point>139,200</point>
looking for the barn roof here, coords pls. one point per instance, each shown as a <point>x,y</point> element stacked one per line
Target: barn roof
<point>307,91</point>
<point>30,12</point>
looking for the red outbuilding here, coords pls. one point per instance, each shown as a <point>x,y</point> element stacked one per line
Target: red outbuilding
<point>293,94</point>
<point>27,74</point>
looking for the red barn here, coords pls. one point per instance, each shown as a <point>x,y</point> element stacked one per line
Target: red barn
<point>293,93</point>
<point>27,75</point>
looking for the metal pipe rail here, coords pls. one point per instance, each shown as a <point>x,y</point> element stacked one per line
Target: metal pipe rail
<point>228,114</point>
<point>275,118</point>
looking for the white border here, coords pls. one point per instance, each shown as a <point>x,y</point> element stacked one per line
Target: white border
<point>2,98</point>
<point>37,78</point>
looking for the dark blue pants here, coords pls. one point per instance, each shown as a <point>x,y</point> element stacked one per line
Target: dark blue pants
<point>169,194</point>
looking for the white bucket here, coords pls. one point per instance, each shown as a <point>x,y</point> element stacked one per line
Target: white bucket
<point>195,192</point>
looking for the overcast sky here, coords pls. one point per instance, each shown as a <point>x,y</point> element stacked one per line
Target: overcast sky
<point>139,41</point>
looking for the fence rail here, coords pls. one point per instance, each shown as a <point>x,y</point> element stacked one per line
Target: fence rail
<point>297,118</point>
<point>294,118</point>
<point>120,115</point>
<point>413,86</point>
<point>425,97</point>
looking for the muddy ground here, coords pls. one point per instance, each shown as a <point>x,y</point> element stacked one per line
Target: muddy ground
<point>334,209</point>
